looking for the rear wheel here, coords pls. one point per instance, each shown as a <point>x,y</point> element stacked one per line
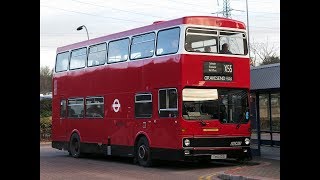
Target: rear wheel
<point>75,146</point>
<point>143,154</point>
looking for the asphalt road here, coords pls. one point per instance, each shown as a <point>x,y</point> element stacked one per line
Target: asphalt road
<point>55,164</point>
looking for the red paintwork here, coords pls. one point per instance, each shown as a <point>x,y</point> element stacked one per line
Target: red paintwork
<point>123,80</point>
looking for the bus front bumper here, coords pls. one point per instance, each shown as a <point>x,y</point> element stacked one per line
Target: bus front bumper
<point>217,153</point>
<point>191,153</point>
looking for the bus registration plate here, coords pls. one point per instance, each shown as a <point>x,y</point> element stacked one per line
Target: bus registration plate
<point>219,156</point>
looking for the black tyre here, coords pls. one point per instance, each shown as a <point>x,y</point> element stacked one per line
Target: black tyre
<point>75,146</point>
<point>143,153</point>
<point>246,157</point>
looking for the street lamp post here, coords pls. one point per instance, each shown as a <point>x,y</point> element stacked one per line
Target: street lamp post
<point>83,26</point>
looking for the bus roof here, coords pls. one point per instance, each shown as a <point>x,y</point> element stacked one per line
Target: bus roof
<point>196,20</point>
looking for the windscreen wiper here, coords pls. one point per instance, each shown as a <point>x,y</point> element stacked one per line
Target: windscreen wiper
<point>202,122</point>
<point>197,115</point>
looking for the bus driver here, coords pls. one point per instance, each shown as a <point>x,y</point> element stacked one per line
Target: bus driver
<point>225,49</point>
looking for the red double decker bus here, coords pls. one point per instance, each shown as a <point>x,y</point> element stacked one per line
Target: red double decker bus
<point>172,90</point>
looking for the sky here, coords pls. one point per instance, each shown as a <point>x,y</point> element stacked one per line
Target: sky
<point>59,19</point>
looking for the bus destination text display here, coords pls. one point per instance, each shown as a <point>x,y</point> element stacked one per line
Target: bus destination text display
<point>217,71</point>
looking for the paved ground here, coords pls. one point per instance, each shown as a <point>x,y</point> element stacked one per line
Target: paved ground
<point>55,164</point>
<point>268,152</point>
<point>266,169</point>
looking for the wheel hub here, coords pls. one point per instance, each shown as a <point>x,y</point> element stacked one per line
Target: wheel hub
<point>142,151</point>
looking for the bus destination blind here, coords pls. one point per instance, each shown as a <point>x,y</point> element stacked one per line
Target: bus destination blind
<point>217,71</point>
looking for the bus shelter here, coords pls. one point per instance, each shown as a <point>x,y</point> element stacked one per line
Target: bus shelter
<point>265,107</point>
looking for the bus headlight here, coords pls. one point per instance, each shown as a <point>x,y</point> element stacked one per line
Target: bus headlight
<point>247,141</point>
<point>187,142</point>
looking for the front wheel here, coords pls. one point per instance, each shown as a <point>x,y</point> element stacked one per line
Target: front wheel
<point>75,146</point>
<point>143,154</point>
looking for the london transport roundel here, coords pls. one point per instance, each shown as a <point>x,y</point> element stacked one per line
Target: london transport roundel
<point>116,105</point>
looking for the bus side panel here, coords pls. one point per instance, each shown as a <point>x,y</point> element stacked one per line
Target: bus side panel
<point>134,80</point>
<point>136,84</point>
<point>59,125</point>
<point>119,123</point>
<point>163,72</point>
<point>93,84</point>
<point>89,128</point>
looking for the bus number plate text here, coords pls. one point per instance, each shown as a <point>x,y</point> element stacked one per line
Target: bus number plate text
<point>219,156</point>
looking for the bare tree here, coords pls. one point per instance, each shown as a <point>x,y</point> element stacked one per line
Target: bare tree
<point>270,60</point>
<point>45,79</point>
<point>261,52</point>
